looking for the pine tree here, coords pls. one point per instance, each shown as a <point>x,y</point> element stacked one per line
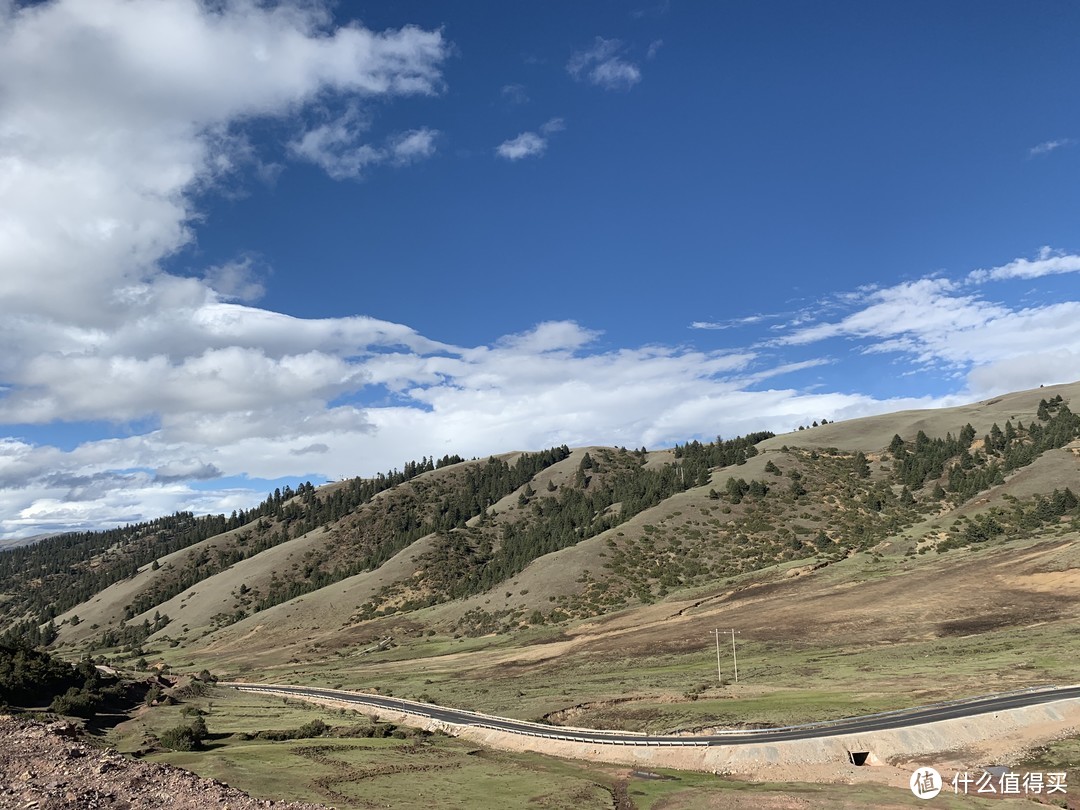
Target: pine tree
<point>861,466</point>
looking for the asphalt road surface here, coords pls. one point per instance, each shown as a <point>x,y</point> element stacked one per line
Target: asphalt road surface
<point>851,725</point>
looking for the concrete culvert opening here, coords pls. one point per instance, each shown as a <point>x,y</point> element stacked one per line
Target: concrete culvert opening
<point>860,757</point>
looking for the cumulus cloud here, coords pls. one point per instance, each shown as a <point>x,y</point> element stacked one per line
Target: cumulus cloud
<point>216,381</point>
<point>551,336</point>
<point>547,385</point>
<point>604,66</point>
<point>530,144</point>
<point>114,118</point>
<point>112,113</point>
<point>412,146</point>
<point>527,144</point>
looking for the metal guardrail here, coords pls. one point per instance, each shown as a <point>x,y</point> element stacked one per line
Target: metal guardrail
<point>601,736</point>
<point>425,708</point>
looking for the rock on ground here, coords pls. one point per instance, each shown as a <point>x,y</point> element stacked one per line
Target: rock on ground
<point>48,767</point>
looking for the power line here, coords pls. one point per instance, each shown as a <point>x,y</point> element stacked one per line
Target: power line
<point>719,675</point>
<point>734,659</point>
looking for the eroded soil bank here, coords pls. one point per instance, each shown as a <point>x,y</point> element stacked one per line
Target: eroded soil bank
<point>966,744</point>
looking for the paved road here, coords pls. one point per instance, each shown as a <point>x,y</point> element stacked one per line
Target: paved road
<point>852,725</point>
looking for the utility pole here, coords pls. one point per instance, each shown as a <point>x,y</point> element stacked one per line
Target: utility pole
<point>733,658</point>
<point>719,675</point>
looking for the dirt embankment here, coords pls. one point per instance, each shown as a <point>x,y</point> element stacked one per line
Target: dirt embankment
<point>46,767</point>
<point>961,744</point>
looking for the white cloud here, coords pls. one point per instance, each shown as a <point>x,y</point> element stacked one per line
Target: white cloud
<point>551,336</point>
<point>1049,262</point>
<point>1025,371</point>
<point>731,323</point>
<point>412,146</point>
<point>1046,147</point>
<point>925,305</point>
<point>527,144</point>
<point>603,66</point>
<point>530,144</point>
<point>937,322</point>
<point>515,93</point>
<point>552,126</point>
<point>548,385</point>
<point>337,146</point>
<point>114,117</point>
<point>236,281</point>
<point>657,10</point>
<point>217,381</point>
<point>654,48</point>
<point>112,112</point>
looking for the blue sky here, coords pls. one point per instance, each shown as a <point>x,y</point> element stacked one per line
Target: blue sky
<point>256,244</point>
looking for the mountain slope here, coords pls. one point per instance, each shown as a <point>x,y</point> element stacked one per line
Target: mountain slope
<point>534,539</point>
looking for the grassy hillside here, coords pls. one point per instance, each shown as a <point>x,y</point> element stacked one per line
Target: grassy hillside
<point>501,567</point>
<point>865,566</point>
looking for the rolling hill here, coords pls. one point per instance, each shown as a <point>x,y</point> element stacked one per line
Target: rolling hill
<point>854,528</point>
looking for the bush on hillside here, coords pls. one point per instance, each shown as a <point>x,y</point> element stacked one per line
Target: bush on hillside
<point>185,737</point>
<point>75,703</point>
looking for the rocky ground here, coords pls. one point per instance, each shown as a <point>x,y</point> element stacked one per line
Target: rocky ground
<point>49,767</point>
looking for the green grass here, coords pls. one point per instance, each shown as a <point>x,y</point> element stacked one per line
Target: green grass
<point>802,682</point>
<point>444,772</point>
<point>437,770</point>
<point>786,678</point>
<point>353,773</point>
<point>349,772</point>
<point>695,792</point>
<point>780,682</point>
<point>1060,755</point>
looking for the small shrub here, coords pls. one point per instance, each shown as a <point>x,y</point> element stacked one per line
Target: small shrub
<point>75,703</point>
<point>185,737</point>
<point>315,728</point>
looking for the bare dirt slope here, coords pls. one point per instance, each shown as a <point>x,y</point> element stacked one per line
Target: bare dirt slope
<point>47,767</point>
